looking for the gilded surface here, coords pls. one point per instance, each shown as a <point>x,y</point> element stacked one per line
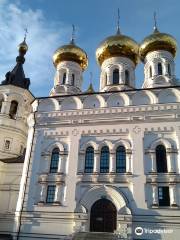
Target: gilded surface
<point>118,45</point>
<point>71,53</point>
<point>158,41</point>
<point>23,47</point>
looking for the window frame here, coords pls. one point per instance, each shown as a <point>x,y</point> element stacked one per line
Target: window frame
<point>50,194</point>
<point>161,159</point>
<point>104,159</point>
<point>169,69</point>
<point>121,150</point>
<point>64,78</point>
<point>115,76</point>
<point>54,161</point>
<point>89,160</point>
<point>127,77</point>
<point>150,71</point>
<point>13,109</point>
<point>160,68</point>
<point>164,196</point>
<point>73,79</point>
<point>1,104</point>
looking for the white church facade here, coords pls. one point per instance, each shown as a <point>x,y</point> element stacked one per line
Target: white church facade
<point>96,165</point>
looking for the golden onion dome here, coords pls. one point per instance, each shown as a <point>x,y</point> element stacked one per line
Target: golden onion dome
<point>158,41</point>
<point>71,52</point>
<point>23,47</point>
<point>117,45</point>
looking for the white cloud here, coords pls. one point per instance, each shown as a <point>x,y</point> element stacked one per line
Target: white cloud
<point>43,38</point>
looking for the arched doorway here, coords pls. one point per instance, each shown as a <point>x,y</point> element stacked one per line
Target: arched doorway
<point>103,216</point>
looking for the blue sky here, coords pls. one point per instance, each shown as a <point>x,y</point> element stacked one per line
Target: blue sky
<point>49,26</point>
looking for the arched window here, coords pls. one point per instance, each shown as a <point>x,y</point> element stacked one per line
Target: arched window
<point>126,77</point>
<point>169,69</point>
<point>13,109</point>
<point>64,78</point>
<point>121,159</point>
<point>104,161</point>
<point>73,79</point>
<point>150,71</point>
<point>1,101</point>
<point>116,76</point>
<point>161,159</point>
<point>159,69</point>
<point>105,79</point>
<point>89,160</point>
<point>55,157</point>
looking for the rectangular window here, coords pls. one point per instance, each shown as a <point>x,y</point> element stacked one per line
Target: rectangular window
<point>7,145</point>
<point>50,193</point>
<point>163,196</point>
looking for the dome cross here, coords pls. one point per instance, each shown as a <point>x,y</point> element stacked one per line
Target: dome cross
<point>155,23</point>
<point>73,34</point>
<point>118,23</point>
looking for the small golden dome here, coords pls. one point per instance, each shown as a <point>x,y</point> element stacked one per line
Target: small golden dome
<point>158,41</point>
<point>23,47</point>
<point>117,45</point>
<point>71,52</point>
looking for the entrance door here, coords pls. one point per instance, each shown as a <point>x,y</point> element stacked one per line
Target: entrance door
<point>103,216</point>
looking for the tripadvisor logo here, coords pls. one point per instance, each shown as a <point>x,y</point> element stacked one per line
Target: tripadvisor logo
<point>138,231</point>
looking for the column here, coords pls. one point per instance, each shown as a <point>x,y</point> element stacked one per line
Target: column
<point>60,163</point>
<point>47,159</point>
<point>64,164</point>
<point>96,162</point>
<point>20,111</point>
<point>81,162</point>
<point>63,194</point>
<point>5,107</point>
<point>170,165</point>
<point>172,193</point>
<point>109,78</point>
<point>128,162</point>
<point>73,158</point>
<point>165,68</point>
<point>43,193</point>
<point>112,162</point>
<point>136,136</point>
<point>121,77</point>
<point>154,69</point>
<point>153,162</point>
<point>57,197</point>
<point>154,195</point>
<point>68,77</point>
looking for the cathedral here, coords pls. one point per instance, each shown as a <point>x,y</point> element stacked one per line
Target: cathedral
<point>93,164</point>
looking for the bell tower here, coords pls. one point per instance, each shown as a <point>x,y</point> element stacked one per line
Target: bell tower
<point>15,106</point>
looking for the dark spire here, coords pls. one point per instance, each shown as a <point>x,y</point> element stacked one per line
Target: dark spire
<point>17,77</point>
<point>90,88</point>
<point>73,35</point>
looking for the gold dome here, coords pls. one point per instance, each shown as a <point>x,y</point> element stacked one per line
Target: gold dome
<point>158,41</point>
<point>23,47</point>
<point>117,45</point>
<point>71,52</point>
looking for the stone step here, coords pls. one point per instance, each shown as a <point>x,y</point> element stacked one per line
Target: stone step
<point>94,236</point>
